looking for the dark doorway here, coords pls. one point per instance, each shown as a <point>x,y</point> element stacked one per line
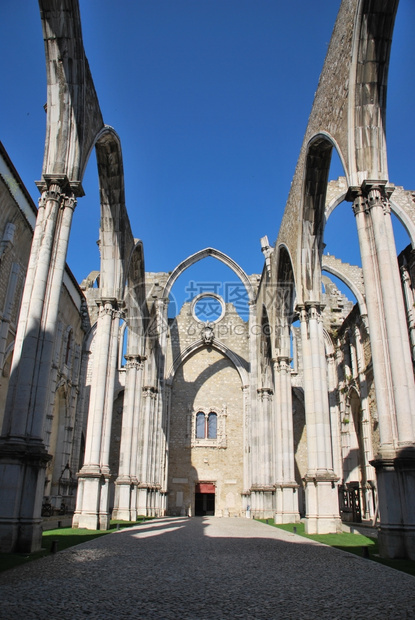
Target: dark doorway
<point>204,499</point>
<point>204,504</point>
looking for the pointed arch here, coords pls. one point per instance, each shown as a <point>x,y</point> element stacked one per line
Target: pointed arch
<point>284,303</point>
<point>194,258</point>
<point>317,166</point>
<point>369,66</point>
<point>135,300</point>
<point>335,268</point>
<point>237,361</point>
<point>73,113</point>
<point>116,239</point>
<point>285,279</point>
<point>398,203</point>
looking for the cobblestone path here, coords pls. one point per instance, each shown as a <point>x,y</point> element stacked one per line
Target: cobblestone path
<point>204,568</point>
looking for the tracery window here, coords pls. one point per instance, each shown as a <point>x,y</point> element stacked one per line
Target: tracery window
<point>207,426</point>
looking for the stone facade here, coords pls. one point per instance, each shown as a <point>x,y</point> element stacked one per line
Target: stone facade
<point>206,382</point>
<point>303,409</point>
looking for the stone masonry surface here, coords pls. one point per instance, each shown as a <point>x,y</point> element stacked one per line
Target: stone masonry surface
<point>205,568</point>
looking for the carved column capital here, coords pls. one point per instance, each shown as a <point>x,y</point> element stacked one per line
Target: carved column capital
<point>281,363</point>
<point>310,310</point>
<point>108,306</point>
<point>134,361</point>
<point>68,201</point>
<point>371,194</point>
<point>265,393</point>
<point>149,391</point>
<point>60,180</point>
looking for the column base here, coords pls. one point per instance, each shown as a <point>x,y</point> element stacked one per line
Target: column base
<point>262,501</point>
<point>123,508</point>
<point>22,482</point>
<point>397,542</point>
<point>92,511</point>
<point>395,474</point>
<point>286,503</point>
<point>322,504</point>
<point>143,509</point>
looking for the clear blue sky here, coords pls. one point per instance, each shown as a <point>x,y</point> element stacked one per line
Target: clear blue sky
<point>211,100</point>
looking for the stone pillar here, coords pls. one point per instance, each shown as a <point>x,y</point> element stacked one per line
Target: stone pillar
<point>262,489</point>
<point>23,455</point>
<point>93,479</point>
<point>125,507</point>
<point>392,367</point>
<point>144,449</point>
<point>332,378</point>
<point>322,509</point>
<point>166,434</point>
<point>247,472</point>
<point>366,434</point>
<point>286,504</point>
<point>409,306</point>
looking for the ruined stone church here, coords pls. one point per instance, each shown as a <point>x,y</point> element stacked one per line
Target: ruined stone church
<point>302,409</point>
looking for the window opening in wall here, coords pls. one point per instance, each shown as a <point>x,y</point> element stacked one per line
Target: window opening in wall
<point>123,338</point>
<point>212,426</point>
<point>206,425</point>
<point>294,335</point>
<point>68,348</point>
<point>200,426</point>
<point>208,309</point>
<point>209,276</point>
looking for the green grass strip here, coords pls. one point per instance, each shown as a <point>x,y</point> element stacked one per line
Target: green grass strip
<point>352,543</point>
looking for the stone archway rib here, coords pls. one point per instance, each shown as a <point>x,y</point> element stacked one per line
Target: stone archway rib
<point>194,258</point>
<point>351,275</point>
<point>219,346</point>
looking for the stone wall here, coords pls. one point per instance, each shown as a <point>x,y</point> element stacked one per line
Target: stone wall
<point>17,218</point>
<point>207,382</point>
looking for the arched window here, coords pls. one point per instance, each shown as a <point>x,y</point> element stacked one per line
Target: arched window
<point>68,351</point>
<point>208,427</point>
<point>212,426</point>
<point>200,425</point>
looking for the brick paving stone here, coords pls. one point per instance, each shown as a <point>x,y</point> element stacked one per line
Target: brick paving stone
<point>204,568</point>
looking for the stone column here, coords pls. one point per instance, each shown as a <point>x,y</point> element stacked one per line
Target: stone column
<point>166,434</point>
<point>126,484</point>
<point>409,306</point>
<point>392,367</point>
<point>334,412</point>
<point>158,447</point>
<point>104,514</point>
<point>144,446</point>
<point>262,489</point>
<point>135,430</point>
<point>157,471</point>
<point>322,510</point>
<point>23,455</point>
<point>94,475</point>
<point>246,389</point>
<point>286,505</point>
<point>369,472</point>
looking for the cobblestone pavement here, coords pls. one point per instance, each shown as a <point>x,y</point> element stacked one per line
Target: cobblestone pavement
<point>204,568</point>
